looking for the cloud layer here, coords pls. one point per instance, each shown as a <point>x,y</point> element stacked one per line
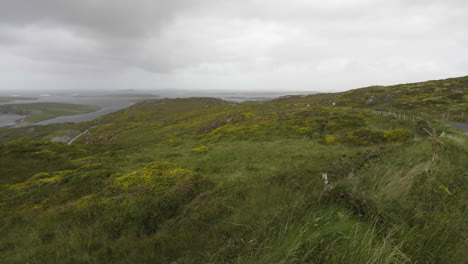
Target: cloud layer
<point>244,44</point>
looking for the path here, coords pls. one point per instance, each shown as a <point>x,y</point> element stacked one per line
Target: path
<point>461,126</point>
<point>75,138</point>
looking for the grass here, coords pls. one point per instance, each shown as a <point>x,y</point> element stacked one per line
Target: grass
<point>43,111</point>
<point>267,207</point>
<point>437,99</point>
<point>205,181</point>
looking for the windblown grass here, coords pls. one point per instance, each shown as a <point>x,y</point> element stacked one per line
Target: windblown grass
<point>205,181</point>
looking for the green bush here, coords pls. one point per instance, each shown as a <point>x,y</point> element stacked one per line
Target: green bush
<point>364,137</point>
<point>397,135</point>
<point>330,139</point>
<point>420,126</point>
<point>201,149</point>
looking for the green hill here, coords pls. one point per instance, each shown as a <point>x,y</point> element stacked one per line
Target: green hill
<point>201,180</point>
<point>425,99</point>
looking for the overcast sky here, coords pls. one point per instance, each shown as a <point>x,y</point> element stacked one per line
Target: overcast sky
<point>323,45</point>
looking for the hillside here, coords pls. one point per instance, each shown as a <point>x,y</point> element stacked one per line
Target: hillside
<point>201,180</point>
<point>428,99</point>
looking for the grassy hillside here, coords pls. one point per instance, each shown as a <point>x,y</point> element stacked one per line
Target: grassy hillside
<point>201,180</point>
<point>428,99</point>
<point>43,111</point>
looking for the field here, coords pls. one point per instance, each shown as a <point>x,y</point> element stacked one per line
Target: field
<point>201,180</point>
<point>43,111</point>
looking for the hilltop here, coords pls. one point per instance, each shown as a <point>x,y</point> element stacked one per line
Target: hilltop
<point>423,98</point>
<point>323,178</point>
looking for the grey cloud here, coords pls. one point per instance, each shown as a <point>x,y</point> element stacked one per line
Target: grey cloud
<point>119,18</point>
<point>245,41</point>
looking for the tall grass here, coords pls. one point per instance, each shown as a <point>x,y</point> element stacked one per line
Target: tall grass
<point>246,199</point>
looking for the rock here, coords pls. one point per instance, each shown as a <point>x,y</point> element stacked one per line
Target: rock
<point>61,139</point>
<point>72,135</point>
<point>370,100</point>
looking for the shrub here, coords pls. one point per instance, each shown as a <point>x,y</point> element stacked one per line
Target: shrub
<point>364,137</point>
<point>421,125</point>
<point>157,177</point>
<point>330,139</point>
<point>397,135</point>
<point>201,149</point>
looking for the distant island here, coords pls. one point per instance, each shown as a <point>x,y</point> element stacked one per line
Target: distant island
<point>131,95</point>
<point>6,99</point>
<point>37,112</point>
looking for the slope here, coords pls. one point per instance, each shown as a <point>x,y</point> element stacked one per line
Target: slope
<point>201,180</point>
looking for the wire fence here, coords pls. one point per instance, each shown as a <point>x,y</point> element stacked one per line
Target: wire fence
<point>455,116</point>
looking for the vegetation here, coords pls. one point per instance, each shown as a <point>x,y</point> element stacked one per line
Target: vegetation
<point>43,111</point>
<point>201,180</point>
<point>6,99</point>
<point>441,99</point>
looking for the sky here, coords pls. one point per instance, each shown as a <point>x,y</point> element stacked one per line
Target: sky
<point>235,45</point>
